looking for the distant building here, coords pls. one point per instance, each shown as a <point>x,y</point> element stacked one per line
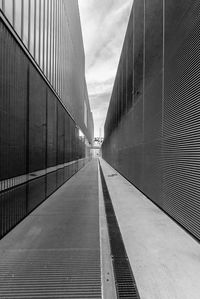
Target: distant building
<point>46,125</point>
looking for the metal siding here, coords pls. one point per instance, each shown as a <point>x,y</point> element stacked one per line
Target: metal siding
<point>51,183</point>
<point>36,193</point>
<point>60,132</point>
<point>37,122</point>
<point>181,188</point>
<point>28,135</point>
<point>12,208</point>
<point>60,143</point>
<point>67,138</point>
<point>51,178</point>
<point>51,130</point>
<point>13,101</point>
<point>156,143</point>
<point>153,91</point>
<point>138,36</point>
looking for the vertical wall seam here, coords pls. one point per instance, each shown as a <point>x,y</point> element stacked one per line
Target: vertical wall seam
<point>143,98</point>
<point>163,102</point>
<point>27,131</point>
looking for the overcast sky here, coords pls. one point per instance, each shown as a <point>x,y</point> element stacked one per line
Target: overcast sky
<point>104,24</point>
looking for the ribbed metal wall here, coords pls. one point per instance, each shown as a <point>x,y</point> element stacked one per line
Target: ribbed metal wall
<point>40,144</point>
<point>156,142</point>
<point>51,32</point>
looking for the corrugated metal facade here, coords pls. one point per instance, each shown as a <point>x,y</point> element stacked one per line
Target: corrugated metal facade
<point>41,144</point>
<point>51,31</point>
<point>152,130</point>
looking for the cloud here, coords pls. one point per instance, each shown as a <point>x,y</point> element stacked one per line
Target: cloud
<point>103,25</point>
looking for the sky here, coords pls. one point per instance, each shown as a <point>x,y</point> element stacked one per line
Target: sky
<point>104,24</point>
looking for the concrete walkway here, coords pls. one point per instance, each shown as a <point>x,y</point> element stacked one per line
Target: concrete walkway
<point>164,258</point>
<point>55,251</point>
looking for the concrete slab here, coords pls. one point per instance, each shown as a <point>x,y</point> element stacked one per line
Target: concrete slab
<point>165,259</point>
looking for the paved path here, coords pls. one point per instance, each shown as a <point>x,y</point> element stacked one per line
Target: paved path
<point>55,251</point>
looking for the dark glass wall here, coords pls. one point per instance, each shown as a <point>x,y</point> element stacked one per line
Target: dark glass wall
<point>40,144</point>
<point>152,130</point>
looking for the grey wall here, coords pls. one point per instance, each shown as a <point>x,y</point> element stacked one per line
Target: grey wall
<point>152,129</point>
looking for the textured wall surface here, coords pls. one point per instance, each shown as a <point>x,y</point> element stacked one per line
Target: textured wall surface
<point>51,32</point>
<point>41,145</point>
<point>152,130</point>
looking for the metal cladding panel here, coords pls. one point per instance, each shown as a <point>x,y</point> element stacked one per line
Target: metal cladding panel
<point>156,143</point>
<point>60,133</point>
<point>136,143</point>
<point>37,121</point>
<point>12,208</point>
<point>72,136</point>
<point>51,130</point>
<point>13,103</point>
<point>122,96</point>
<point>75,93</point>
<point>67,138</point>
<point>138,43</point>
<point>29,131</point>
<point>60,177</point>
<point>153,109</point>
<point>36,193</point>
<point>56,48</point>
<point>51,183</point>
<point>181,131</point>
<point>177,14</point>
<point>153,171</point>
<point>73,141</point>
<point>129,65</point>
<point>153,93</point>
<point>153,48</point>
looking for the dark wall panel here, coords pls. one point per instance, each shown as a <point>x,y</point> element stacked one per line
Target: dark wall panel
<point>12,208</point>
<point>60,177</point>
<point>67,138</point>
<point>36,192</point>
<point>13,105</point>
<point>37,121</point>
<point>51,130</point>
<point>51,183</point>
<point>73,140</point>
<point>60,134</point>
